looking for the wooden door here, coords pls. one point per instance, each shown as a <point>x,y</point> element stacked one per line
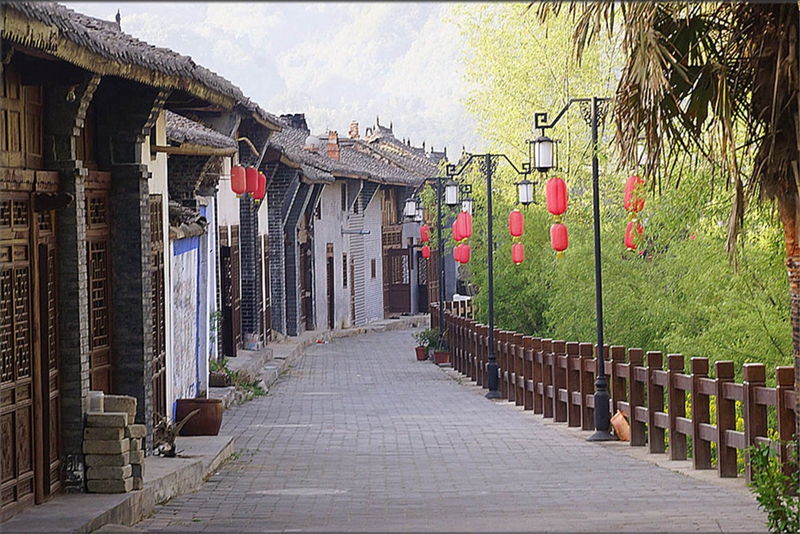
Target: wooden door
<point>266,300</point>
<point>98,262</point>
<point>16,347</point>
<point>159,308</point>
<point>397,280</point>
<point>331,293</point>
<point>236,294</point>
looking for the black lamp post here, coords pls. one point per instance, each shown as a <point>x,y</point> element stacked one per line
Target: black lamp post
<point>492,378</point>
<point>545,160</point>
<point>412,210</point>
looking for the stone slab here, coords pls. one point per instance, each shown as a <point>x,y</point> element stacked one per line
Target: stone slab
<point>107,419</point>
<point>109,486</point>
<point>135,431</point>
<point>107,460</point>
<point>121,403</point>
<point>136,457</point>
<point>104,433</point>
<point>115,473</point>
<point>106,446</point>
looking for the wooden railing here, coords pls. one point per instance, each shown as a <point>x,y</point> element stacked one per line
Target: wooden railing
<point>556,379</point>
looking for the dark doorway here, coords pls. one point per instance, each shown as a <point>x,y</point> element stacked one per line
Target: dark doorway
<point>331,307</point>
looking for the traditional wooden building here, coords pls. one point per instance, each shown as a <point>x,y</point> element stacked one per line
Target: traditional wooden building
<point>83,241</point>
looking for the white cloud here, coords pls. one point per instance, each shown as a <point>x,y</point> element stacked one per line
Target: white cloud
<point>333,61</point>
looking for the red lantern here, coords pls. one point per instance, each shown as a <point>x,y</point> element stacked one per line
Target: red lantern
<point>426,251</point>
<point>238,184</point>
<point>517,253</point>
<point>516,223</point>
<point>457,253</point>
<point>634,199</point>
<point>424,233</point>
<point>630,234</point>
<point>465,253</point>
<point>558,237</point>
<point>556,194</point>
<point>261,190</point>
<point>251,178</point>
<point>457,230</point>
<point>467,224</point>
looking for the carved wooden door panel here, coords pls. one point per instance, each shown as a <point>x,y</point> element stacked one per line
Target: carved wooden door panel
<point>16,349</point>
<point>98,260</point>
<point>159,307</point>
<point>236,294</point>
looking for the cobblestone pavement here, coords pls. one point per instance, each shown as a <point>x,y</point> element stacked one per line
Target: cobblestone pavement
<point>362,437</point>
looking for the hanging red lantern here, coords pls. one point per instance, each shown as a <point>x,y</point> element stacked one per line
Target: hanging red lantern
<point>261,190</point>
<point>466,227</point>
<point>426,251</point>
<point>631,237</point>
<point>424,233</point>
<point>465,250</point>
<point>251,178</point>
<point>516,223</point>
<point>634,197</point>
<point>457,230</point>
<point>558,237</point>
<point>457,253</point>
<point>238,183</point>
<point>517,253</point>
<point>556,194</point>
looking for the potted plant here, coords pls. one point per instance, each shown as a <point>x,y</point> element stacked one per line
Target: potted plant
<point>441,351</point>
<point>425,339</point>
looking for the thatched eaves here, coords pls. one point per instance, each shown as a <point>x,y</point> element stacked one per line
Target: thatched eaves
<point>183,131</point>
<point>102,47</point>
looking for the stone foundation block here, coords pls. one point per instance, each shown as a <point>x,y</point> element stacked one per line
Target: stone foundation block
<point>111,473</point>
<point>135,431</point>
<point>136,444</point>
<point>107,419</point>
<point>121,403</point>
<point>109,486</point>
<point>138,483</point>
<point>106,446</point>
<point>104,433</point>
<point>137,457</point>
<point>108,460</point>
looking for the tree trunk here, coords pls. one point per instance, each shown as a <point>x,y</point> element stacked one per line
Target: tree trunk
<point>790,219</point>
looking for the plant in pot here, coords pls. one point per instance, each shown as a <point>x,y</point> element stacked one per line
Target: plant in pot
<point>441,350</point>
<point>425,339</point>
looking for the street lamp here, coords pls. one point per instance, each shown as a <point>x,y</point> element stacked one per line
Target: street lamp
<point>492,377</point>
<point>546,160</point>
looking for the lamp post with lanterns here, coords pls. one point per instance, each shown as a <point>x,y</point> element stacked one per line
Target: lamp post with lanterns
<point>545,158</point>
<point>525,191</point>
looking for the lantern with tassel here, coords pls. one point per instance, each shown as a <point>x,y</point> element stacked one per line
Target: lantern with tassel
<point>517,253</point>
<point>465,250</point>
<point>238,183</point>
<point>424,233</point>
<point>559,239</point>
<point>634,199</point>
<point>466,225</point>
<point>516,223</point>
<point>261,190</point>
<point>556,194</point>
<point>251,179</point>
<point>426,251</point>
<point>632,234</point>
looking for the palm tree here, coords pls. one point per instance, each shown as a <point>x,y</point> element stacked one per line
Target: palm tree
<point>718,81</point>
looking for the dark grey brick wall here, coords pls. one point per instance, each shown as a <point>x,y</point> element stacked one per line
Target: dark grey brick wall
<point>251,291</point>
<point>280,190</point>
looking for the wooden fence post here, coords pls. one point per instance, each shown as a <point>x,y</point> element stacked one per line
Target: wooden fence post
<point>527,373</point>
<point>547,377</point>
<point>573,383</point>
<point>701,416</point>
<point>519,369</point>
<point>587,386</point>
<point>636,389</point>
<point>726,420</point>
<point>676,407</point>
<point>784,389</point>
<point>655,402</point>
<point>560,381</point>
<point>754,377</point>
<point>619,392</point>
<point>538,372</point>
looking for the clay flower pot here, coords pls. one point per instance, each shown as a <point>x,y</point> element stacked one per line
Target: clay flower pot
<point>422,353</point>
<point>441,357</point>
<point>204,423</point>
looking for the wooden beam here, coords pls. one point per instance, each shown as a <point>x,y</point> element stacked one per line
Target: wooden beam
<point>193,150</point>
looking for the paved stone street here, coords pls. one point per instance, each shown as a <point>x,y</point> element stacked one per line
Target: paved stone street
<point>360,436</point>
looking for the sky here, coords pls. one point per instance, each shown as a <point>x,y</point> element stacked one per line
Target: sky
<point>335,62</point>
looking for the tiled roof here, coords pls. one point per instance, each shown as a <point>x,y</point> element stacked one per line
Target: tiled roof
<point>101,46</point>
<point>355,160</point>
<point>183,130</point>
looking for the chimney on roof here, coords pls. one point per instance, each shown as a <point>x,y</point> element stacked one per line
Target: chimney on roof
<point>118,18</point>
<point>354,130</point>
<point>333,144</point>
